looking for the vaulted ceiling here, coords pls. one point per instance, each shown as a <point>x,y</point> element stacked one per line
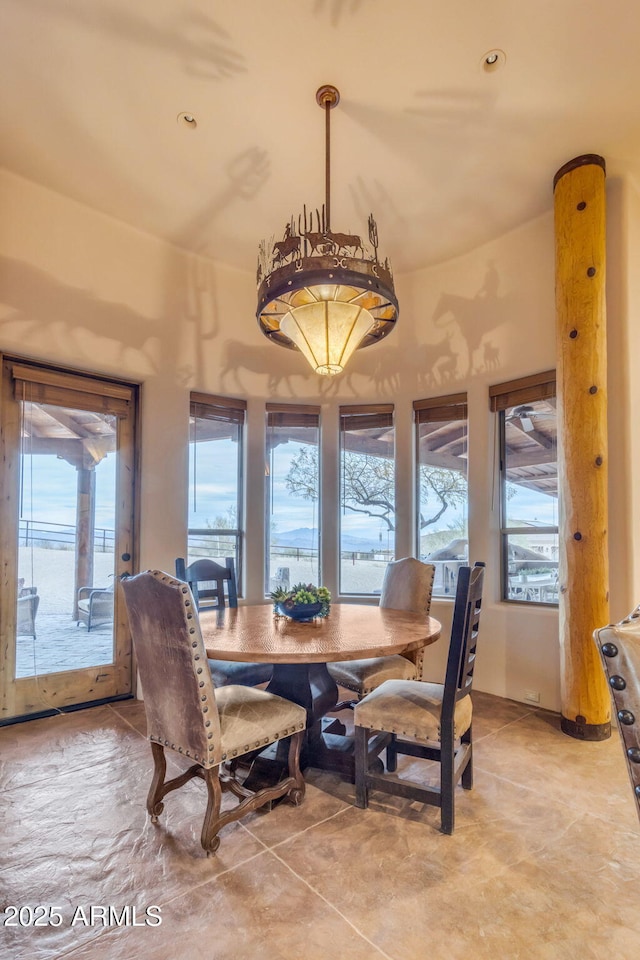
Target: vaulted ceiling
<point>446,151</point>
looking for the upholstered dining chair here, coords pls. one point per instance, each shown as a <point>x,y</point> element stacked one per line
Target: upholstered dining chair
<point>186,714</point>
<point>431,721</point>
<point>619,646</point>
<point>213,586</point>
<point>407,585</point>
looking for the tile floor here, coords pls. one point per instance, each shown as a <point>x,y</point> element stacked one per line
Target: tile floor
<point>544,861</point>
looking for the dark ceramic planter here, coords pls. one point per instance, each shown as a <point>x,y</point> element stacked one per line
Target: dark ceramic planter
<point>299,611</point>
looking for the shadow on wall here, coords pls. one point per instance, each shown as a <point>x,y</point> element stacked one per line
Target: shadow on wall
<point>48,313</point>
<point>468,324</point>
<point>247,173</point>
<point>48,319</point>
<point>336,9</point>
<point>41,315</point>
<point>203,47</point>
<point>237,356</point>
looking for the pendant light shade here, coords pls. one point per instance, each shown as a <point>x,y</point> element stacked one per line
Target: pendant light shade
<point>327,332</point>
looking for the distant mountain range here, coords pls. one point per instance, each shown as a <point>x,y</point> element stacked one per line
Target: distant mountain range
<point>307,537</point>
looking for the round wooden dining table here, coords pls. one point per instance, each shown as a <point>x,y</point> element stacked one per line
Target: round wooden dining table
<point>300,652</point>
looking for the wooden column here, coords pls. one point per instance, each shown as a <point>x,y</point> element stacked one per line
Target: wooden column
<point>579,196</point>
<point>85,527</point>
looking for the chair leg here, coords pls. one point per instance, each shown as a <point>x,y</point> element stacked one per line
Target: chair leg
<point>296,792</point>
<point>155,806</point>
<point>292,786</point>
<point>467,773</point>
<point>361,757</point>
<point>392,755</point>
<point>447,788</point>
<point>209,837</point>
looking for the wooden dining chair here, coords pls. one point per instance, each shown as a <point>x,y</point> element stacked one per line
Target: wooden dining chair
<point>212,584</point>
<point>186,714</point>
<point>619,646</point>
<point>431,721</point>
<point>407,585</point>
<point>213,587</point>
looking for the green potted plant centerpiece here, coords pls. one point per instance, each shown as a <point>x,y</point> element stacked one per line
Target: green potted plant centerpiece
<point>304,601</point>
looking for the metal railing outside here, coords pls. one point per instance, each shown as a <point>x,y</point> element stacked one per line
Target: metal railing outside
<point>61,536</point>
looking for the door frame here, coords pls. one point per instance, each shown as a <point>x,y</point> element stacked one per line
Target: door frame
<point>51,693</point>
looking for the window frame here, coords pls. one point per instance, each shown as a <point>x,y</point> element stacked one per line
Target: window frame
<point>290,415</point>
<point>504,396</point>
<point>444,409</point>
<point>363,416</point>
<point>206,406</point>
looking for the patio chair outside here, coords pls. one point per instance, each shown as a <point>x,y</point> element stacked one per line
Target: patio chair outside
<point>94,604</point>
<point>28,603</point>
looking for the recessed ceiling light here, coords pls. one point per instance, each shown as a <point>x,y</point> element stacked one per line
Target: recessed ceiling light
<point>187,120</point>
<point>493,60</point>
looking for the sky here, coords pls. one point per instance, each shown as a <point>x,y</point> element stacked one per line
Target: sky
<point>49,490</point>
<point>529,505</point>
<point>216,476</point>
<point>217,496</point>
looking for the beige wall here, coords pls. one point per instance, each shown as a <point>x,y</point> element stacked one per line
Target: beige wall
<point>629,506</point>
<point>493,309</point>
<point>623,328</point>
<point>81,289</point>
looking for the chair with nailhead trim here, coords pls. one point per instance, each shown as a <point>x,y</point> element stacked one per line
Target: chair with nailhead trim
<point>619,646</point>
<point>187,714</point>
<point>214,586</point>
<point>431,721</point>
<point>407,585</point>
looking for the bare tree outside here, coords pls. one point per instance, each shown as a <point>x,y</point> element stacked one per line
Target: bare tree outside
<point>368,486</point>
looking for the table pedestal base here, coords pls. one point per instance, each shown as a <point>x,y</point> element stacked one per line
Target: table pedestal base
<point>327,745</point>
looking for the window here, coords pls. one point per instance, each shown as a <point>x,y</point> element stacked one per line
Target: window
<point>367,497</point>
<point>441,482</point>
<point>529,487</point>
<point>215,479</point>
<point>292,490</point>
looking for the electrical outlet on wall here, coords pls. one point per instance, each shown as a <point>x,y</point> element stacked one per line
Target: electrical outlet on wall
<point>533,696</point>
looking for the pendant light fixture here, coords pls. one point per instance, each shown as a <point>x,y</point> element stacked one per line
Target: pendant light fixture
<point>324,293</point>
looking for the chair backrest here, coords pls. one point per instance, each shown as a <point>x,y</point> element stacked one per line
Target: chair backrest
<point>619,646</point>
<point>408,585</point>
<point>27,609</point>
<point>464,637</point>
<point>178,691</point>
<point>212,584</point>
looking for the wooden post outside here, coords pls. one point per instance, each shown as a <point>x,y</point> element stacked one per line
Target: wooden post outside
<point>85,528</point>
<point>579,198</point>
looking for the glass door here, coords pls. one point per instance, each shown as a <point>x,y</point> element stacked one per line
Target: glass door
<point>68,443</point>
